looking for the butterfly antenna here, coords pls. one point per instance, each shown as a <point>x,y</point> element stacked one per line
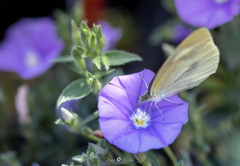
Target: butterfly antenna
<point>172,101</point>
<point>144,81</point>
<point>159,111</point>
<point>124,89</point>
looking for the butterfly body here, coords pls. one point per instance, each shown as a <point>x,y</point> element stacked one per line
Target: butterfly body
<point>194,60</point>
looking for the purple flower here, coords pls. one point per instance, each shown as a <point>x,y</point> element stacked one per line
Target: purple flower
<point>135,127</point>
<point>208,13</point>
<point>112,35</point>
<point>29,47</point>
<point>180,32</point>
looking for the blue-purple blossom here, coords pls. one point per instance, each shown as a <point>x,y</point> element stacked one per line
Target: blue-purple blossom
<point>29,47</point>
<point>112,35</point>
<point>135,127</point>
<point>208,13</point>
<point>180,32</point>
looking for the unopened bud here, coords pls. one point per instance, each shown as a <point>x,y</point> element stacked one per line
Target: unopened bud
<point>67,115</point>
<point>99,134</point>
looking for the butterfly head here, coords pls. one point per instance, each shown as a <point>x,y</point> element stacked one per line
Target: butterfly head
<point>145,97</point>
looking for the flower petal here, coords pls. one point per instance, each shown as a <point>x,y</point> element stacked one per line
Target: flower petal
<point>123,93</point>
<point>172,112</point>
<point>167,132</point>
<point>207,13</point>
<point>114,128</point>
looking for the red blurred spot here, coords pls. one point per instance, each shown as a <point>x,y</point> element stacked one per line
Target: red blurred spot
<point>94,10</point>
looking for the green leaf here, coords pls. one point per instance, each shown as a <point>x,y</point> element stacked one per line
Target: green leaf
<point>62,59</point>
<point>97,86</point>
<point>96,61</point>
<point>103,73</point>
<point>105,61</point>
<point>181,163</point>
<point>89,119</point>
<point>169,5</point>
<point>77,11</point>
<point>153,158</point>
<point>75,69</point>
<point>117,57</point>
<point>99,36</point>
<point>76,90</point>
<point>97,149</point>
<point>93,82</point>
<point>93,41</point>
<point>76,34</point>
<point>89,79</point>
<point>109,77</point>
<point>85,34</point>
<point>164,32</point>
<point>9,158</point>
<point>79,159</point>
<point>77,53</point>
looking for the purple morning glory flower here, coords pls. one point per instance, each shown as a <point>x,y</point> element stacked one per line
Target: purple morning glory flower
<point>29,47</point>
<point>208,13</point>
<point>135,127</point>
<point>112,35</point>
<point>180,32</point>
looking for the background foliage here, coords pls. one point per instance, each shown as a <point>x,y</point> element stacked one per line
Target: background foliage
<point>211,137</point>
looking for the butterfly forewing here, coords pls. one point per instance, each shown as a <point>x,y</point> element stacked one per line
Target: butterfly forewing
<point>193,61</point>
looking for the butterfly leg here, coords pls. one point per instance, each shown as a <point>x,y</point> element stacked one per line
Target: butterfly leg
<point>144,80</point>
<point>159,111</point>
<point>149,108</point>
<point>172,101</point>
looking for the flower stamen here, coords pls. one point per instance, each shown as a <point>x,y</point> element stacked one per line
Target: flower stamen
<point>140,119</point>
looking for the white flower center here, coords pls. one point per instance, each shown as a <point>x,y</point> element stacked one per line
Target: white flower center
<point>32,59</point>
<point>220,1</point>
<point>140,119</point>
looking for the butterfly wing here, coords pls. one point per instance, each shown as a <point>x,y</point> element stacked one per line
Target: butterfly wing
<point>193,61</point>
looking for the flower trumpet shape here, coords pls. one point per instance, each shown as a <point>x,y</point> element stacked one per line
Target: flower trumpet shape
<point>29,47</point>
<point>138,127</point>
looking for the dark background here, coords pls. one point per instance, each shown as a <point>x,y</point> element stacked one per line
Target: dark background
<point>147,15</point>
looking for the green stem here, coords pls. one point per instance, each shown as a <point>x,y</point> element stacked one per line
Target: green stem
<point>91,137</point>
<point>115,150</point>
<point>171,155</point>
<point>85,133</point>
<point>142,159</point>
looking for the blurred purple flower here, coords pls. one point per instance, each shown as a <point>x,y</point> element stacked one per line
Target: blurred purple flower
<point>112,35</point>
<point>180,32</point>
<point>29,47</point>
<point>208,13</point>
<point>133,127</point>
